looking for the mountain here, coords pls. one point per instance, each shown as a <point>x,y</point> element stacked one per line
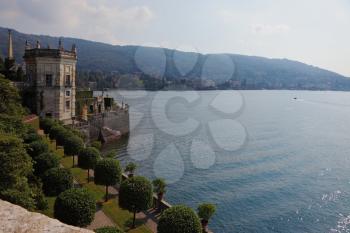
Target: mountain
<point>225,70</point>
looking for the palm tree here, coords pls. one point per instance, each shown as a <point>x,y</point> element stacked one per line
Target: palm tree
<point>159,187</point>
<point>205,212</point>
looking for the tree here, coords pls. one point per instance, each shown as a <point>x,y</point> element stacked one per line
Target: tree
<point>179,219</point>
<point>44,162</point>
<point>159,187</point>
<point>135,195</point>
<point>37,147</point>
<point>9,99</point>
<point>16,165</point>
<point>205,212</point>
<point>130,169</point>
<point>107,172</point>
<point>75,207</point>
<point>57,180</point>
<point>46,124</point>
<point>62,135</point>
<point>87,159</point>
<point>55,131</point>
<point>72,146</point>
<point>31,137</point>
<point>15,162</point>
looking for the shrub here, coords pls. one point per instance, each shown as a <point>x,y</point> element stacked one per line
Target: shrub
<point>72,146</point>
<point>108,230</point>
<point>130,169</point>
<point>135,195</point>
<point>87,159</point>
<point>57,180</point>
<point>107,172</point>
<point>55,130</point>
<point>21,197</point>
<point>62,135</point>
<point>206,211</point>
<point>31,137</point>
<point>96,144</point>
<point>37,147</point>
<point>75,207</point>
<point>179,219</point>
<point>46,124</point>
<point>45,162</point>
<point>15,162</point>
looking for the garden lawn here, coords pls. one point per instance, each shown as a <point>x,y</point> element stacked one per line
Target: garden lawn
<point>111,208</point>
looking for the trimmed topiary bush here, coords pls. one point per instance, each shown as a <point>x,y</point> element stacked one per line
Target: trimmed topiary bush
<point>108,230</point>
<point>37,147</point>
<point>75,207</point>
<point>135,195</point>
<point>96,144</point>
<point>57,180</point>
<point>44,162</point>
<point>87,159</point>
<point>62,135</point>
<point>55,131</point>
<point>46,124</point>
<point>179,219</point>
<point>107,172</point>
<point>72,146</point>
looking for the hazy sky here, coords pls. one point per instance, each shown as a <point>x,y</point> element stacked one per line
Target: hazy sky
<point>316,32</point>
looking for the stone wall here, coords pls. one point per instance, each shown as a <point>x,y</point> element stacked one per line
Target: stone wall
<point>115,120</point>
<point>15,219</point>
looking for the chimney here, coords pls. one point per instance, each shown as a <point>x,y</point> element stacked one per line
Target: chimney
<point>60,45</point>
<point>74,48</point>
<point>10,49</point>
<point>27,46</point>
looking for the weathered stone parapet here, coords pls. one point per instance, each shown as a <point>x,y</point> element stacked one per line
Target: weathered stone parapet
<point>15,219</point>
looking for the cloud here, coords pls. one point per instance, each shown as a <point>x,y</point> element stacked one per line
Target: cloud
<point>267,29</point>
<point>95,20</point>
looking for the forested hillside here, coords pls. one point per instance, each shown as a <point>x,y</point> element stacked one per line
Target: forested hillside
<point>136,67</point>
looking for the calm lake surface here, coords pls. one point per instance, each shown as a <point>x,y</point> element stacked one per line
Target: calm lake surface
<point>272,161</point>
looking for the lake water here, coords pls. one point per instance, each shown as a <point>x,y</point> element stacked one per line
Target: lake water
<point>272,161</point>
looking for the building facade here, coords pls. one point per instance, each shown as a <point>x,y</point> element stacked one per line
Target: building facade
<point>52,74</point>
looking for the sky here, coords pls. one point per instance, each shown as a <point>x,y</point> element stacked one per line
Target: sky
<point>316,32</point>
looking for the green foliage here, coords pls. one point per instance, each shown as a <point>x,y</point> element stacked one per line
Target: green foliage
<point>62,135</point>
<point>75,207</point>
<point>108,230</point>
<point>31,137</point>
<point>130,167</point>
<point>36,148</point>
<point>136,194</point>
<point>44,162</point>
<point>12,124</point>
<point>19,196</point>
<point>96,144</point>
<point>159,185</point>
<point>88,157</point>
<point>55,131</point>
<point>206,211</point>
<point>107,172</point>
<point>73,145</point>
<point>46,124</point>
<point>9,99</point>
<point>36,187</point>
<point>14,161</point>
<point>179,219</point>
<point>57,180</point>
